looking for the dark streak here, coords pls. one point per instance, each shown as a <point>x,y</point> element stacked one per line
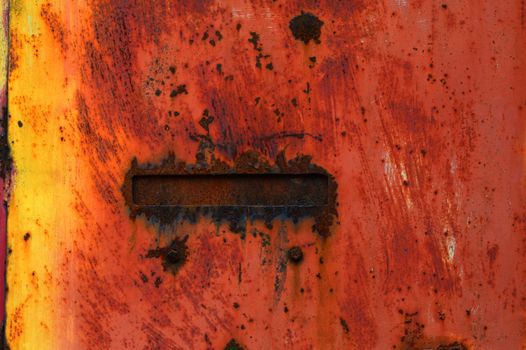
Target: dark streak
<point>284,134</point>
<point>236,216</point>
<point>233,345</point>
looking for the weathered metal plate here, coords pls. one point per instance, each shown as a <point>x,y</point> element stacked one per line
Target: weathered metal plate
<point>412,110</point>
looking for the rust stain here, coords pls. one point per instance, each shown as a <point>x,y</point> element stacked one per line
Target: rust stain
<point>55,24</point>
<point>173,256</point>
<point>414,336</point>
<point>233,345</point>
<point>295,255</point>
<point>306,27</point>
<point>413,110</point>
<point>235,215</point>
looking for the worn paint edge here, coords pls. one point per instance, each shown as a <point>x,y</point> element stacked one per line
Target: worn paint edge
<point>5,159</point>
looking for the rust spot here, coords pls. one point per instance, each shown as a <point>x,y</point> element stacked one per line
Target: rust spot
<point>344,325</point>
<point>492,253</point>
<point>295,255</point>
<point>254,40</point>
<point>173,256</point>
<point>174,191</point>
<point>181,89</point>
<point>233,345</point>
<point>206,120</point>
<point>306,27</point>
<point>158,282</point>
<point>414,337</point>
<point>144,278</point>
<point>15,43</point>
<point>54,23</point>
<point>258,47</point>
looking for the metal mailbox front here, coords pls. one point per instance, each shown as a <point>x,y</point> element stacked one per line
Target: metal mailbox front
<point>266,175</point>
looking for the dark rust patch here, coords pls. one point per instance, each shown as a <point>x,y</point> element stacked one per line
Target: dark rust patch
<point>285,180</point>
<point>306,27</point>
<point>181,89</point>
<point>5,149</point>
<point>305,190</point>
<point>295,255</point>
<point>233,345</point>
<point>344,325</point>
<point>258,47</point>
<point>173,256</point>
<point>414,337</point>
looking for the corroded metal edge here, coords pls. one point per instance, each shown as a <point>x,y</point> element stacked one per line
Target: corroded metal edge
<point>5,161</point>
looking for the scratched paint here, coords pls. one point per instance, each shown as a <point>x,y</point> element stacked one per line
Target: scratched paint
<point>416,108</point>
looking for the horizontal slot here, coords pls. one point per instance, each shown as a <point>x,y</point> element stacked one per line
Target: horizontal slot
<point>226,190</point>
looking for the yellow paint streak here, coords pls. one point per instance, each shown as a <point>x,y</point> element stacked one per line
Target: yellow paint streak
<point>45,173</point>
<point>3,43</point>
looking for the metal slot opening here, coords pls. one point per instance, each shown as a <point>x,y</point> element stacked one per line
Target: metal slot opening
<point>248,190</point>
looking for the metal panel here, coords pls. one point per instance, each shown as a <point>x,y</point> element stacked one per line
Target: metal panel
<point>413,110</point>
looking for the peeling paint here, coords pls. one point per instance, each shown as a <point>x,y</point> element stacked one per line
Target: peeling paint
<point>451,245</point>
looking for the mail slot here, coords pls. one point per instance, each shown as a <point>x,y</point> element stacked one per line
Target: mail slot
<point>267,190</point>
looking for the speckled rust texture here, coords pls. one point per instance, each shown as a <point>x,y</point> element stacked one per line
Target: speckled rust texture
<point>416,108</point>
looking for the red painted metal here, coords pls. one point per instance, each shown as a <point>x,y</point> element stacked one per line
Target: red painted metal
<point>413,109</point>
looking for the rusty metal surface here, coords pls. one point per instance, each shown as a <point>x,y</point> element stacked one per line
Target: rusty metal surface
<point>252,189</point>
<point>413,109</point>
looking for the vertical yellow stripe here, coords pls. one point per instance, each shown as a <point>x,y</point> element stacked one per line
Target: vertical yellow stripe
<point>40,205</point>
